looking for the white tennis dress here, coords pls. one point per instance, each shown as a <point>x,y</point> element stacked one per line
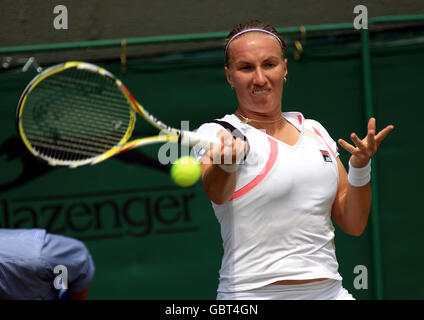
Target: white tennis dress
<point>277,225</point>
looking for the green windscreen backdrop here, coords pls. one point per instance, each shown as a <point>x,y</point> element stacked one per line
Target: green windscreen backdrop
<point>153,240</point>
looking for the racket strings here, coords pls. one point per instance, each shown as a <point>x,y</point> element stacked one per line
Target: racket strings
<point>44,146</point>
<point>73,119</point>
<point>75,114</point>
<point>72,143</point>
<point>72,109</point>
<point>79,102</point>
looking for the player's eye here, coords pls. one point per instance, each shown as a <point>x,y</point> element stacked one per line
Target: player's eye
<point>245,67</point>
<point>270,65</point>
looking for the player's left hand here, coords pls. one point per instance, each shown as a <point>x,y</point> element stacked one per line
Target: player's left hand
<point>367,147</point>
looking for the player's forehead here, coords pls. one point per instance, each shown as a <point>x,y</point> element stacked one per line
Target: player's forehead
<point>255,45</point>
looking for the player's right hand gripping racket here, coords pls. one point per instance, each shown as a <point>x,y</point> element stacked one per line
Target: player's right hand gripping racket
<point>76,114</point>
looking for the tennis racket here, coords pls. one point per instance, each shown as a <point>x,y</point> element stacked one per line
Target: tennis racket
<point>75,114</point>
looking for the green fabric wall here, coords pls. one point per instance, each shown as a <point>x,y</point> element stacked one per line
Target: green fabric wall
<point>153,240</point>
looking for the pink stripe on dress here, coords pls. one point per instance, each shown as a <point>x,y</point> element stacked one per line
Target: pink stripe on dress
<point>273,154</point>
<point>299,117</point>
<point>319,134</point>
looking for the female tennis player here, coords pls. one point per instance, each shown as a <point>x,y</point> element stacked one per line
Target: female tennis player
<point>276,207</point>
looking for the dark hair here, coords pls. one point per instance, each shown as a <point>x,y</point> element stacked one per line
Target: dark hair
<point>249,25</point>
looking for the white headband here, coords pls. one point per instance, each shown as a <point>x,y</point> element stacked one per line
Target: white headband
<point>249,30</point>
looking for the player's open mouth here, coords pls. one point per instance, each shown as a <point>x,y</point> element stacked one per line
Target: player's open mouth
<point>258,92</point>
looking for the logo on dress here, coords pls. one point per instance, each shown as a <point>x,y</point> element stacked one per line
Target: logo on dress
<point>326,156</point>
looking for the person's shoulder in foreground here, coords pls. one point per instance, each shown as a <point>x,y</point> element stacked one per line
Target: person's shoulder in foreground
<point>35,264</point>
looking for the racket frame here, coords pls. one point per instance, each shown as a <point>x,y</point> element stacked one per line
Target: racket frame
<point>167,134</point>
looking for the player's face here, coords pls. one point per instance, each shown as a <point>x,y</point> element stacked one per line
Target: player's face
<point>256,71</point>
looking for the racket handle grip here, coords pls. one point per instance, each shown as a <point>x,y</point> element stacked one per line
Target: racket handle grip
<point>191,139</point>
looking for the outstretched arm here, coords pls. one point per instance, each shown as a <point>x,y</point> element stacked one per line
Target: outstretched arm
<point>352,203</point>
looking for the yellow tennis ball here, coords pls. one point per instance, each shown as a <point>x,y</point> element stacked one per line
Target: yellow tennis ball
<point>186,171</point>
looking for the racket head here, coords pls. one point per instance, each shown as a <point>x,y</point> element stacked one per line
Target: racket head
<point>74,114</point>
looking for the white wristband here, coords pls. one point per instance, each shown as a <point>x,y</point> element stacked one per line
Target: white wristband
<point>359,177</point>
<point>229,168</point>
